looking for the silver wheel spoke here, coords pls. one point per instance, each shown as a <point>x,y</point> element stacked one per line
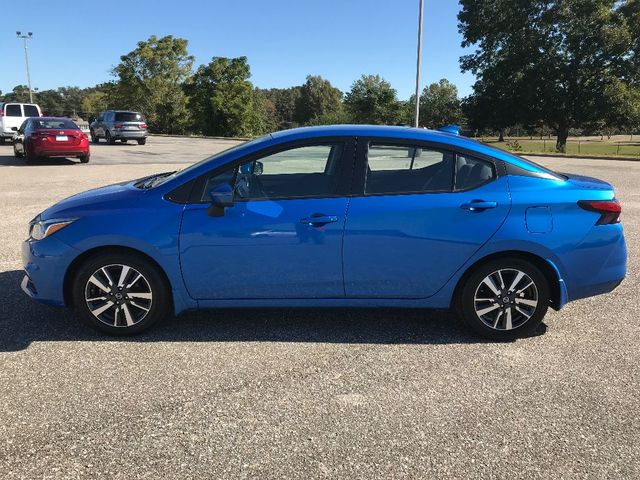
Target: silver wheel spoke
<point>484,311</point>
<point>524,288</point>
<point>115,316</point>
<point>100,310</point>
<point>107,276</point>
<point>127,315</point>
<point>96,299</point>
<point>508,325</point>
<point>501,279</point>
<point>139,306</point>
<point>524,301</point>
<point>123,275</point>
<point>495,324</point>
<point>146,296</point>
<point>516,281</point>
<point>98,283</point>
<point>527,315</point>
<point>138,277</point>
<point>492,286</point>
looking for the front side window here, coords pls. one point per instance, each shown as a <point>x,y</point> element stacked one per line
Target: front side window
<point>307,171</point>
<point>13,110</point>
<point>472,172</point>
<point>31,111</point>
<point>393,169</point>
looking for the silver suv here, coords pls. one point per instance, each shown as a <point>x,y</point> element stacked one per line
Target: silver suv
<point>120,125</point>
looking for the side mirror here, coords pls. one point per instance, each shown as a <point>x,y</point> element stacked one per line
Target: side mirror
<point>15,129</point>
<point>221,198</point>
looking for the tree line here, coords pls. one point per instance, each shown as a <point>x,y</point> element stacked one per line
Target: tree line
<point>541,66</point>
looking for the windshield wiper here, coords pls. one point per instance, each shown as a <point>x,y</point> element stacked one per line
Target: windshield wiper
<point>153,180</point>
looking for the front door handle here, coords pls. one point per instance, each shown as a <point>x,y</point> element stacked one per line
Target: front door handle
<point>478,205</point>
<point>319,219</point>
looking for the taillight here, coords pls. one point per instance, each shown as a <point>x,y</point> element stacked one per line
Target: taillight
<point>1,113</point>
<point>143,126</point>
<point>609,210</point>
<point>117,125</point>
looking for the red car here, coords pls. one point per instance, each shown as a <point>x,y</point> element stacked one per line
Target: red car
<point>50,137</point>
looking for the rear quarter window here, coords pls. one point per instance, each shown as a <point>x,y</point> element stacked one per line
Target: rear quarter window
<point>31,111</point>
<point>13,110</point>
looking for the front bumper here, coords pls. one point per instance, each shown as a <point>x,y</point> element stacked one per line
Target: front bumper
<point>45,263</point>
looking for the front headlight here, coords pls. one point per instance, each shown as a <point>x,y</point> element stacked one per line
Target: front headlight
<point>39,229</point>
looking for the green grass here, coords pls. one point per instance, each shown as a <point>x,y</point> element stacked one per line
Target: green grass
<point>574,147</point>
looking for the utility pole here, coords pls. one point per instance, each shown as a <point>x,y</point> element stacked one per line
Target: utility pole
<point>418,64</point>
<point>26,59</point>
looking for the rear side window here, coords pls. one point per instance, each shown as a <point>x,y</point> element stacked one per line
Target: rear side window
<point>472,172</point>
<point>31,111</point>
<point>128,117</point>
<point>13,110</point>
<point>395,169</point>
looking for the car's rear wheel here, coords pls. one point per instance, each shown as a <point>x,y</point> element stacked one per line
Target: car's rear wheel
<point>120,293</point>
<point>94,137</point>
<point>123,140</point>
<point>110,140</point>
<point>2,140</point>
<point>85,158</point>
<point>16,153</point>
<point>504,299</point>
<point>142,141</point>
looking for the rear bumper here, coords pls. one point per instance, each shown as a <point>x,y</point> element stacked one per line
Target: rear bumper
<point>75,151</point>
<point>129,134</point>
<point>598,265</point>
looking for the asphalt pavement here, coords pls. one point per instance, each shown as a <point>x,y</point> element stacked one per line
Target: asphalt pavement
<point>308,393</point>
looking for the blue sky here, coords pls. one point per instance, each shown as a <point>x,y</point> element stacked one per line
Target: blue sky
<point>284,40</point>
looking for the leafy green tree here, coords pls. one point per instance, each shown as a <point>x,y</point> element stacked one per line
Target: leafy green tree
<point>373,100</point>
<point>222,98</point>
<point>556,60</point>
<point>20,94</point>
<point>284,100</point>
<point>317,98</point>
<point>439,105</point>
<point>150,79</point>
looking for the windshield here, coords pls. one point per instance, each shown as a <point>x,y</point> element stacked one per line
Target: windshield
<point>185,171</point>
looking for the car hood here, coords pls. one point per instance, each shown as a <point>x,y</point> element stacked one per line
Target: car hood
<point>93,199</point>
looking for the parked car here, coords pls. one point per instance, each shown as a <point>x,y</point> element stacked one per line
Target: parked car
<point>50,137</point>
<point>120,125</point>
<point>334,216</point>
<point>12,115</point>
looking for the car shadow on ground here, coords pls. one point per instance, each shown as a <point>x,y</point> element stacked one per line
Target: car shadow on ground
<point>23,321</point>
<point>11,161</point>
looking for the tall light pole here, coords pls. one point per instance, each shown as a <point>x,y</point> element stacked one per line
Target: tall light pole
<point>26,59</point>
<point>418,64</point>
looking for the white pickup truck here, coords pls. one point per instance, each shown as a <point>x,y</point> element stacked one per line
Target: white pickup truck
<point>12,115</point>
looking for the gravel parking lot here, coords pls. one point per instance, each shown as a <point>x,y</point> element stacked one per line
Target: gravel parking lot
<point>291,393</point>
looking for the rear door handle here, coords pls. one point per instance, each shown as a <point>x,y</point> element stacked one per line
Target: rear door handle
<point>318,219</point>
<point>478,205</point>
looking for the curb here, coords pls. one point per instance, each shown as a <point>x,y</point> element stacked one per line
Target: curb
<point>588,157</point>
<point>200,136</point>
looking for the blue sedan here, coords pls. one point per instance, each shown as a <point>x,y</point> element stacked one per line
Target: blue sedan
<point>335,216</point>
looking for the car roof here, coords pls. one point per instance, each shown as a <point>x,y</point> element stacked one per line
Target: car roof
<point>404,133</point>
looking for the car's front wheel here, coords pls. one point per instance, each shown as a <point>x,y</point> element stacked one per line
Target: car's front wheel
<point>110,140</point>
<point>16,153</point>
<point>504,299</point>
<point>94,137</point>
<point>120,293</point>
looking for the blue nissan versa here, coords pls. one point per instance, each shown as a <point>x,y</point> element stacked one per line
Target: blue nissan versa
<point>333,216</point>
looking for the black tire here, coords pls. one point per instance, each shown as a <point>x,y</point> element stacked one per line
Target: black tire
<point>142,141</point>
<point>110,140</point>
<point>16,153</point>
<point>123,140</point>
<point>94,137</point>
<point>153,280</point>
<point>85,158</point>
<point>507,306</point>
<point>2,140</point>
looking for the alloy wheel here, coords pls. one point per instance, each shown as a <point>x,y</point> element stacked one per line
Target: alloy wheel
<point>118,295</point>
<point>506,299</point>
